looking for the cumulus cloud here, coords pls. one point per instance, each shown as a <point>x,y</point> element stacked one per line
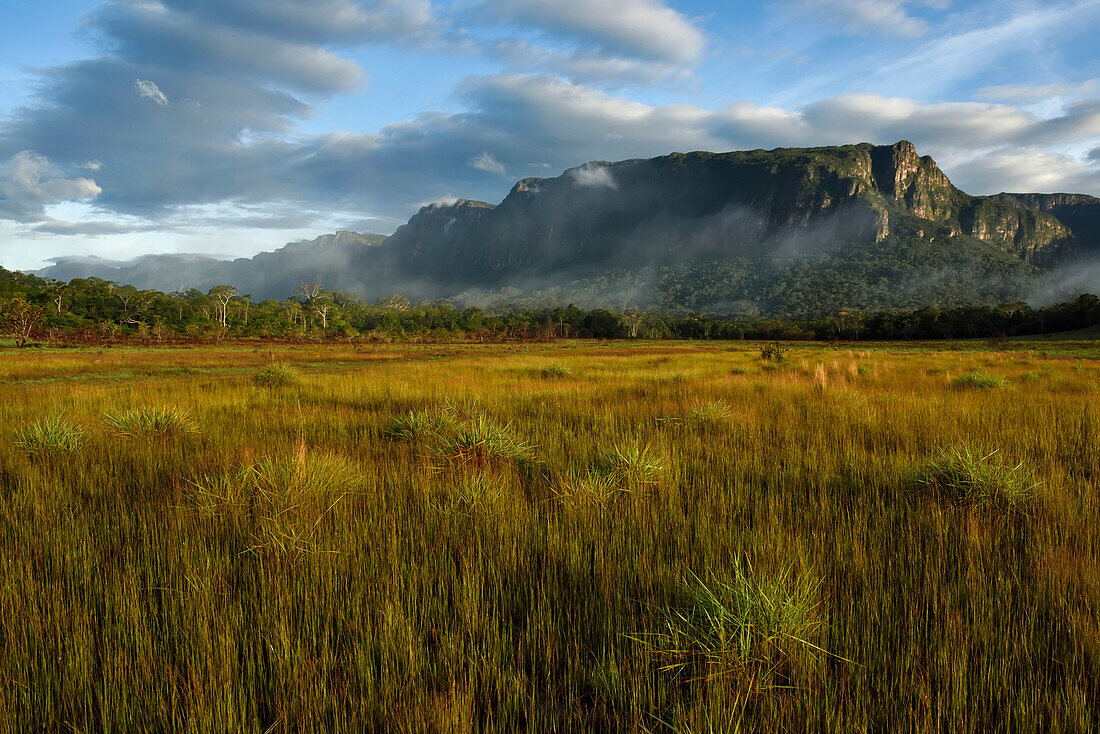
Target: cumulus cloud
<point>29,183</point>
<point>159,35</point>
<point>1026,170</point>
<point>319,21</point>
<point>646,29</point>
<point>150,90</point>
<point>486,162</point>
<point>238,84</point>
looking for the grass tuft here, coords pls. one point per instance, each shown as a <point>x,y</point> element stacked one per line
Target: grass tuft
<point>631,465</point>
<point>555,371</point>
<point>966,476</point>
<point>276,375</point>
<point>588,489</point>
<point>979,380</point>
<point>151,423</point>
<point>480,442</point>
<point>758,628</point>
<point>49,438</point>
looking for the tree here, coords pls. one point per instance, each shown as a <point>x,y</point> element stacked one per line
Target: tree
<point>222,295</point>
<point>22,318</point>
<point>314,297</point>
<point>632,320</point>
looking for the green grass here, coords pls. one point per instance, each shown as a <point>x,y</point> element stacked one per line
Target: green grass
<point>555,371</point>
<point>151,423</point>
<point>53,437</point>
<point>973,477</point>
<point>758,631</point>
<point>276,375</point>
<point>403,542</point>
<point>978,380</point>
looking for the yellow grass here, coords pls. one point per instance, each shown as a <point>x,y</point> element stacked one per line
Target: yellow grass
<point>291,565</point>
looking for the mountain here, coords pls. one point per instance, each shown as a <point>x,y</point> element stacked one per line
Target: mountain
<point>1079,212</point>
<point>795,230</point>
<point>267,275</point>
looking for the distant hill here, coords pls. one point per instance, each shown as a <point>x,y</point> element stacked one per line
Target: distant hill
<point>267,275</point>
<point>795,230</point>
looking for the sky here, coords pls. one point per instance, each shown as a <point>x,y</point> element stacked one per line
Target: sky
<point>228,127</point>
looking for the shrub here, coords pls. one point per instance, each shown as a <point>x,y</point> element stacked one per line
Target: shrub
<point>773,353</point>
<point>276,375</point>
<point>966,476</point>
<point>979,381</point>
<point>151,423</point>
<point>756,627</point>
<point>47,438</point>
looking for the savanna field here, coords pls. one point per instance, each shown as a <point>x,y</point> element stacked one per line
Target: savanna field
<point>580,536</point>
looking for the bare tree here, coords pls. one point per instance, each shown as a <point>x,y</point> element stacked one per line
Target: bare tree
<point>22,318</point>
<point>314,297</point>
<point>321,307</point>
<point>222,295</point>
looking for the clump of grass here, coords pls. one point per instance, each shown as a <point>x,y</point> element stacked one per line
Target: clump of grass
<point>966,476</point>
<point>710,413</point>
<point>418,425</point>
<point>631,465</point>
<point>480,442</point>
<point>276,375</point>
<point>586,489</point>
<point>773,353</point>
<point>756,627</point>
<point>979,380</point>
<point>555,371</point>
<point>279,501</point>
<point>50,438</point>
<point>475,493</point>
<point>151,423</point>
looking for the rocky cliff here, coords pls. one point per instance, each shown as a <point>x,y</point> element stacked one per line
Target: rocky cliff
<point>694,206</point>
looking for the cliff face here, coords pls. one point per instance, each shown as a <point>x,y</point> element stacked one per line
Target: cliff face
<point>694,206</point>
<point>1079,212</point>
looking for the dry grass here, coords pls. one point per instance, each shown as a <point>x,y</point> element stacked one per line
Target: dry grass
<point>407,543</point>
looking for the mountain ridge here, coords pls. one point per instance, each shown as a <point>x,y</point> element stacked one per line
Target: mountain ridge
<point>754,214</point>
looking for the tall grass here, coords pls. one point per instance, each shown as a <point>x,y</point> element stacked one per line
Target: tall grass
<point>409,543</point>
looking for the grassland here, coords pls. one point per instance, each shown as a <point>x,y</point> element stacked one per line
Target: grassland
<point>568,537</point>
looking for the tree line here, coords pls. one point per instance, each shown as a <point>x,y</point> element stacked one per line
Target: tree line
<point>96,311</point>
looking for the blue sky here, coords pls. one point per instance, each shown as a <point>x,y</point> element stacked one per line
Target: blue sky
<point>232,126</point>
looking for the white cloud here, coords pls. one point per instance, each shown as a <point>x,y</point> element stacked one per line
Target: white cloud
<point>29,183</point>
<point>1029,170</point>
<point>645,29</point>
<point>150,90</point>
<point>486,162</point>
<point>593,175</point>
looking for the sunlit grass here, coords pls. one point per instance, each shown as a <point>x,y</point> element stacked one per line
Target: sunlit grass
<point>680,537</point>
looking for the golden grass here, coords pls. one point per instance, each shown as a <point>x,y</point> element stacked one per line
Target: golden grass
<point>558,554</point>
